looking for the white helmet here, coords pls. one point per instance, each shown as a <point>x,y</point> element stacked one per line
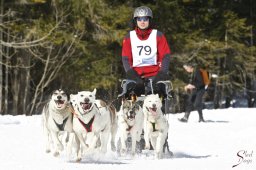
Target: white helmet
<point>142,11</point>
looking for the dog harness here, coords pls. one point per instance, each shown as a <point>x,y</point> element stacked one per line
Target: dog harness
<point>129,128</point>
<point>88,126</point>
<point>61,126</point>
<point>154,126</point>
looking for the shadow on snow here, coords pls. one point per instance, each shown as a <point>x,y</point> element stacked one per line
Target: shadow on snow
<point>185,155</point>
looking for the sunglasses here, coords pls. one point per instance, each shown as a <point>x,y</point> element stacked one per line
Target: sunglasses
<point>143,18</point>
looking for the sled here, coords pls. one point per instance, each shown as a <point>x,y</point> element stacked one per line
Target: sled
<point>167,99</point>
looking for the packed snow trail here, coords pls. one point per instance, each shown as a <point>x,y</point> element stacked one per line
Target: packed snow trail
<point>213,145</point>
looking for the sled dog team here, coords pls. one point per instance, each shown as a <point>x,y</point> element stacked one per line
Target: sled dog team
<point>82,124</point>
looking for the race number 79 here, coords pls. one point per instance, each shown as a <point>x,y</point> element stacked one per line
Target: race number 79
<point>146,49</point>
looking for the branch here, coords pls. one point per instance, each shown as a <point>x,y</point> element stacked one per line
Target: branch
<point>37,42</point>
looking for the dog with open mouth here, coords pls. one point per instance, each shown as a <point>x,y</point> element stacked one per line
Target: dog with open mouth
<point>155,124</point>
<point>130,122</point>
<point>95,118</point>
<point>57,118</point>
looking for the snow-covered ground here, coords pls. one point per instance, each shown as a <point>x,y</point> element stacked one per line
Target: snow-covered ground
<point>228,138</point>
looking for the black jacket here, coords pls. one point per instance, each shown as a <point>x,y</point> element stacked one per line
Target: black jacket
<point>197,79</point>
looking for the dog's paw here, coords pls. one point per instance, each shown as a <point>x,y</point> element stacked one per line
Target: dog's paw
<point>85,147</point>
<point>113,146</point>
<point>60,147</point>
<point>55,154</point>
<point>170,154</point>
<point>123,151</point>
<point>78,160</point>
<point>158,155</point>
<point>133,154</point>
<point>47,150</point>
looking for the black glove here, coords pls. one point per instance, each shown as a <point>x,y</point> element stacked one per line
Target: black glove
<point>161,76</point>
<point>133,75</point>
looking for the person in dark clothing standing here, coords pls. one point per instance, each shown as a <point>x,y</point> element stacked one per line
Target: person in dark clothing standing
<point>195,90</point>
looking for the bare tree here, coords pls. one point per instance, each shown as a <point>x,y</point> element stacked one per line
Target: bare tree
<point>52,65</point>
<point>33,53</point>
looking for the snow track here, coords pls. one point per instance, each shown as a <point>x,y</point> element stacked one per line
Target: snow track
<point>213,145</point>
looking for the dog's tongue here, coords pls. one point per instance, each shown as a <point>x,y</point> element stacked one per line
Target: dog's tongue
<point>86,106</point>
<point>153,111</point>
<point>59,103</point>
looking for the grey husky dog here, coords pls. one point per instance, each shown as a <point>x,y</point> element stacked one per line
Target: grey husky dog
<point>57,118</point>
<point>130,122</point>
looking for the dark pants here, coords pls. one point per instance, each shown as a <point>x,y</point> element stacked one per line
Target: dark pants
<point>145,89</point>
<point>195,102</point>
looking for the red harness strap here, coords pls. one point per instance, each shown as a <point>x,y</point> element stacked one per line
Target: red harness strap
<point>87,126</point>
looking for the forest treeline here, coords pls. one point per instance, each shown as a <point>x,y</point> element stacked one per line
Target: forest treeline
<point>76,45</point>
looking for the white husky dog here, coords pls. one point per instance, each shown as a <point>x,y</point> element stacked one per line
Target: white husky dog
<point>95,117</point>
<point>130,121</point>
<point>57,117</point>
<point>155,124</point>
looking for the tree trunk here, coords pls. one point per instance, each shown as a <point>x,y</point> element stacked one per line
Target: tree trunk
<point>15,92</point>
<point>1,56</point>
<point>6,101</point>
<point>26,83</point>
